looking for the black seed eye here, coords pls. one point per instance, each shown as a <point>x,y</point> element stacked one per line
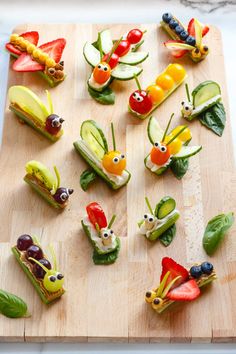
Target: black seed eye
<point>115,159</point>
<point>99,66</point>
<point>151,219</point>
<point>187,108</point>
<point>122,156</point>
<point>139,99</point>
<point>182,103</point>
<point>163,149</point>
<point>105,234</point>
<point>145,216</point>
<point>60,276</point>
<point>105,68</point>
<point>52,278</point>
<point>111,232</point>
<point>156,144</point>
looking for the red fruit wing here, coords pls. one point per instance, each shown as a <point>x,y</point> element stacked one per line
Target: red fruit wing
<point>96,215</point>
<point>187,291</point>
<point>191,29</point>
<point>179,53</point>
<point>32,37</point>
<point>12,49</point>
<point>25,64</point>
<point>205,30</point>
<point>54,48</point>
<point>175,269</point>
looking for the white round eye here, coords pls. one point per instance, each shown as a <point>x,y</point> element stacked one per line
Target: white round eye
<point>105,235</point>
<point>122,157</point>
<point>105,68</point>
<point>111,232</point>
<point>99,66</point>
<point>163,149</point>
<point>52,278</point>
<point>63,196</point>
<point>140,99</point>
<point>145,216</point>
<point>151,219</point>
<point>135,95</point>
<point>60,276</point>
<point>156,144</point>
<point>116,159</point>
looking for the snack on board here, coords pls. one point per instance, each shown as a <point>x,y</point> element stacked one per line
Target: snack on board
<point>108,164</point>
<point>44,59</point>
<point>143,102</point>
<point>40,178</point>
<point>169,149</point>
<point>46,279</point>
<point>177,284</point>
<point>205,104</point>
<point>113,60</point>
<point>105,243</point>
<point>185,40</point>
<point>159,223</point>
<point>32,111</point>
<point>12,306</point>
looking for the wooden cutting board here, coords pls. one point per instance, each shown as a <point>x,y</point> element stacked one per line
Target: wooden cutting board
<point>107,303</point>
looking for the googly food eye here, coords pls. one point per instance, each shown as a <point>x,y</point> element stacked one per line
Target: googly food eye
<point>151,219</point>
<point>60,276</point>
<point>145,216</point>
<point>52,278</point>
<point>140,99</point>
<point>156,144</point>
<point>105,68</point>
<point>99,66</point>
<point>116,160</point>
<point>111,232</point>
<point>122,156</point>
<point>182,103</point>
<point>135,95</point>
<point>105,235</point>
<point>163,149</point>
<point>64,196</point>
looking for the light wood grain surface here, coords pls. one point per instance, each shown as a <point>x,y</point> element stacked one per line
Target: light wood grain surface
<point>107,303</point>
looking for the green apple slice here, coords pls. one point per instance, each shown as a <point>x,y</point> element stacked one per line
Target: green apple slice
<point>173,45</point>
<point>42,173</point>
<point>28,102</point>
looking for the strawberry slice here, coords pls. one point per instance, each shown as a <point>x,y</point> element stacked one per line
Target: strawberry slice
<point>191,29</point>
<point>54,48</point>
<point>185,292</point>
<point>25,63</point>
<point>175,269</point>
<point>32,37</point>
<point>178,48</point>
<point>179,53</point>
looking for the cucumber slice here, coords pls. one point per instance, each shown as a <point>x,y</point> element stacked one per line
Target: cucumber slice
<point>28,102</point>
<point>204,92</point>
<point>165,206</point>
<point>91,54</point>
<point>155,133</point>
<point>106,41</point>
<point>87,130</point>
<point>125,72</point>
<point>160,170</point>
<point>97,87</point>
<point>187,151</point>
<point>134,58</point>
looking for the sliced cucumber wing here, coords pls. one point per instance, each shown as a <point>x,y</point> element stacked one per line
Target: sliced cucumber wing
<point>155,133</point>
<point>125,72</point>
<point>106,41</point>
<point>91,54</point>
<point>165,207</point>
<point>204,92</point>
<point>133,58</point>
<point>187,151</point>
<point>92,134</point>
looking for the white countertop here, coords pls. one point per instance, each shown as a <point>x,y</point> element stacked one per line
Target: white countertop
<point>217,12</point>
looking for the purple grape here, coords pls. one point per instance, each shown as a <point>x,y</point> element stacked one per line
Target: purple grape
<point>38,271</point>
<point>62,195</point>
<point>35,252</point>
<point>53,124</point>
<point>24,242</point>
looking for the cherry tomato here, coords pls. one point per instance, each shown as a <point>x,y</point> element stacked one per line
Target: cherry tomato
<point>114,162</point>
<point>156,93</point>
<point>140,102</point>
<point>102,72</point>
<point>184,136</point>
<point>113,60</point>
<point>165,81</point>
<point>134,36</point>
<point>176,71</point>
<point>96,215</point>
<point>123,48</point>
<point>160,153</point>
<point>175,146</point>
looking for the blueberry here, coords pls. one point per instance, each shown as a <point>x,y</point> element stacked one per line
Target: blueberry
<point>207,268</point>
<point>173,24</point>
<point>166,17</point>
<point>196,271</point>
<point>190,40</point>
<point>183,35</point>
<point>179,29</point>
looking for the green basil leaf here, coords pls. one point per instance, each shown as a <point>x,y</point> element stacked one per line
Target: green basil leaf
<point>215,231</point>
<point>179,167</point>
<point>11,305</point>
<point>107,258</point>
<point>86,178</point>
<point>214,118</point>
<point>167,237</point>
<point>107,96</point>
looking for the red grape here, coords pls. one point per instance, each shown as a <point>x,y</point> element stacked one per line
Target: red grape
<point>38,271</point>
<point>62,194</point>
<point>24,242</point>
<point>35,252</point>
<point>53,124</point>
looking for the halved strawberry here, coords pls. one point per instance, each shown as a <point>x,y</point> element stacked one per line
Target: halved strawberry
<point>32,37</point>
<point>185,292</point>
<point>54,48</point>
<point>175,269</point>
<point>25,63</point>
<point>191,29</point>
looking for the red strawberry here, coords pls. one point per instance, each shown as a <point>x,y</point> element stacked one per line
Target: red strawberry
<point>179,53</point>
<point>25,63</point>
<point>32,37</point>
<point>185,292</point>
<point>54,48</point>
<point>175,269</point>
<point>191,29</point>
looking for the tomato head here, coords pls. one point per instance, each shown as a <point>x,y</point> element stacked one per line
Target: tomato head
<point>123,48</point>
<point>134,36</point>
<point>102,72</point>
<point>114,162</point>
<point>160,153</point>
<point>113,60</point>
<point>96,215</point>
<point>140,102</point>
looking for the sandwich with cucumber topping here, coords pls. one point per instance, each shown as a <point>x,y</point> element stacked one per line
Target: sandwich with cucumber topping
<point>103,239</point>
<point>159,223</point>
<point>169,148</point>
<point>206,105</point>
<point>110,165</point>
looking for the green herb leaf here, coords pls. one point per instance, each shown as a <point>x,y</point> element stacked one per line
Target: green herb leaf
<point>11,305</point>
<point>179,167</point>
<point>108,258</point>
<point>106,97</point>
<point>214,118</point>
<point>86,178</point>
<point>167,237</point>
<point>215,231</point>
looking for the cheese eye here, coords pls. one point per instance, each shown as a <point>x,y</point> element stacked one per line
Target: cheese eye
<point>122,157</point>
<point>145,216</point>
<point>105,235</point>
<point>105,68</point>
<point>182,103</point>
<point>163,149</point>
<point>135,95</point>
<point>111,232</point>
<point>99,66</point>
<point>156,145</point>
<point>116,160</point>
<point>139,98</point>
<point>151,219</point>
